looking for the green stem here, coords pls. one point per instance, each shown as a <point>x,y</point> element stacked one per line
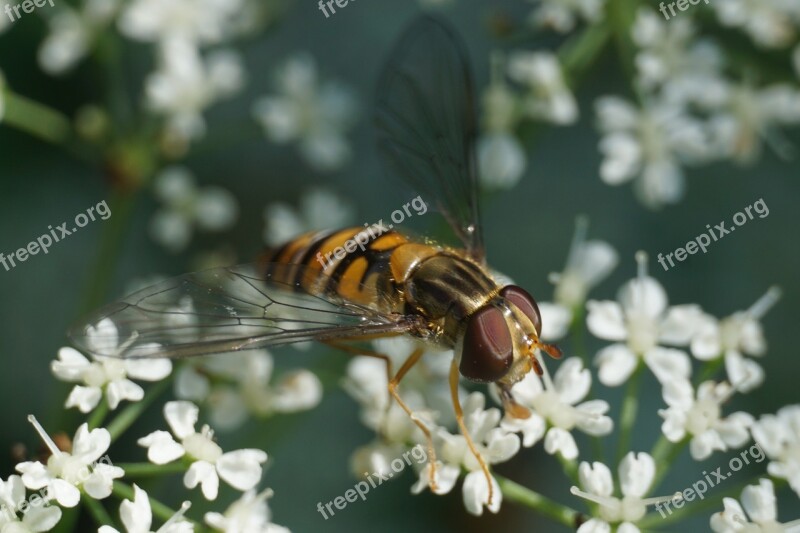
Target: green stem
<point>98,415</point>
<point>710,369</point>
<point>580,52</point>
<point>128,416</point>
<point>621,15</point>
<point>149,469</point>
<point>121,206</point>
<point>36,119</point>
<point>570,468</point>
<point>630,407</point>
<point>555,511</point>
<point>97,511</point>
<point>664,453</point>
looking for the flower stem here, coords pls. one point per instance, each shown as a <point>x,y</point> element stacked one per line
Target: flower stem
<point>630,407</point>
<point>128,416</point>
<point>97,511</point>
<point>150,469</point>
<point>36,119</point>
<point>544,505</point>
<point>98,415</point>
<point>710,369</point>
<point>664,453</point>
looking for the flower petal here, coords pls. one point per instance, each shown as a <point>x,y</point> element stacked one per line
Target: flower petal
<point>476,494</point>
<point>84,398</point>
<point>148,369</point>
<point>561,441</point>
<point>636,474</point>
<point>596,478</point>
<point>616,364</point>
<point>70,364</point>
<point>204,474</point>
<point>606,320</point>
<point>668,363</point>
<point>241,469</point>
<point>161,447</point>
<point>181,417</point>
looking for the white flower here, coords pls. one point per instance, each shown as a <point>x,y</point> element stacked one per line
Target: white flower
<point>768,22</point>
<point>642,319</point>
<point>314,114</point>
<point>186,84</point>
<point>548,97</point>
<point>734,337</point>
<point>241,469</point>
<point>248,514</point>
<point>556,411</point>
<point>244,387</point>
<point>501,159</point>
<point>200,22</point>
<point>107,375</point>
<point>494,445</point>
<point>700,417</point>
<point>749,114</point>
<point>650,143</point>
<point>779,436</point>
<point>319,209</point>
<point>588,263</point>
<point>72,32</point>
<point>67,472</point>
<point>636,474</point>
<point>762,512</point>
<point>137,517</point>
<point>210,208</point>
<point>562,15</point>
<point>670,55</point>
<point>35,518</point>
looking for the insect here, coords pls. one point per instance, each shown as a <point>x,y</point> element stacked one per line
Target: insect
<point>443,296</point>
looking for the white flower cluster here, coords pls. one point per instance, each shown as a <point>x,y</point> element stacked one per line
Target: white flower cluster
<point>314,114</point>
<point>691,110</point>
<point>234,386</point>
<point>539,92</point>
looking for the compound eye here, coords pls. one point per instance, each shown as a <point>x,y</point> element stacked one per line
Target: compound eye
<point>525,303</point>
<point>488,350</point>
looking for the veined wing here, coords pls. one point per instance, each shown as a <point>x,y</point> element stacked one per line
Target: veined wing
<point>426,124</point>
<point>228,309</point>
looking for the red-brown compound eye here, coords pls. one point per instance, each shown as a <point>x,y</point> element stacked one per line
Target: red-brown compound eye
<point>488,350</point>
<point>525,303</point>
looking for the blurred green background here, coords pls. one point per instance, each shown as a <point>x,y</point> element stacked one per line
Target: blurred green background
<point>528,231</point>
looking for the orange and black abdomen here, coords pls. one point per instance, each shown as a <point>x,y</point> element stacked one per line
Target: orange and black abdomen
<point>355,263</point>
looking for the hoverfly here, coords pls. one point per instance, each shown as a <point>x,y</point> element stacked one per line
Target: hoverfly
<point>440,295</point>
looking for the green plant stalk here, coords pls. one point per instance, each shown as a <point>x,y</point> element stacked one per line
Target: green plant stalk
<point>98,415</point>
<point>36,119</point>
<point>664,453</point>
<point>630,408</point>
<point>545,506</point>
<point>97,511</point>
<point>150,469</point>
<point>128,416</point>
<point>622,14</point>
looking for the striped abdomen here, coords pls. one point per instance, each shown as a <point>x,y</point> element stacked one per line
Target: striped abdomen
<point>353,263</point>
<point>380,268</point>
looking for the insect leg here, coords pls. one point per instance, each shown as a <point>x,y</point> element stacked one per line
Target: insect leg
<point>394,382</point>
<point>454,375</point>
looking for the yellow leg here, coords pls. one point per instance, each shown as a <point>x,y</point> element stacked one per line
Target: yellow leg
<point>454,374</point>
<point>394,382</point>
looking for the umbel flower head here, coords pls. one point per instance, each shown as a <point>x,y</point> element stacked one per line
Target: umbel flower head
<point>241,469</point>
<point>67,473</point>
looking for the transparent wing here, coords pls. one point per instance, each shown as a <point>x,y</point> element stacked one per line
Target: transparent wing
<point>425,118</point>
<point>224,310</point>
